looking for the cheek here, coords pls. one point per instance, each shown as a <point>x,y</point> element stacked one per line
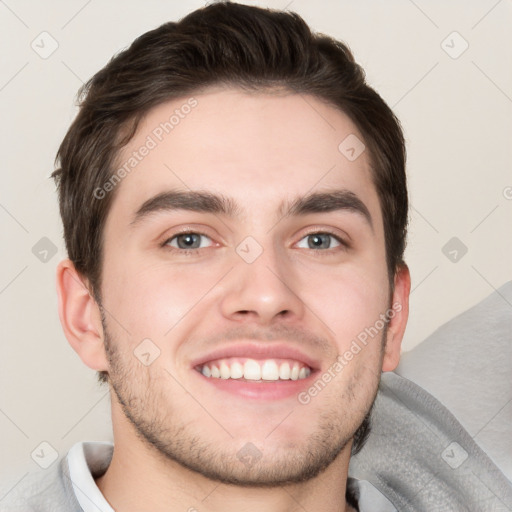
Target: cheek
<point>148,303</point>
<point>350,301</point>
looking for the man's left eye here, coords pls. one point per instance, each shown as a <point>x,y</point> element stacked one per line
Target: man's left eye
<point>319,241</point>
<point>189,241</point>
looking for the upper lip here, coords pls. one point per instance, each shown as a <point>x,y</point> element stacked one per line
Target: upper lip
<point>253,350</point>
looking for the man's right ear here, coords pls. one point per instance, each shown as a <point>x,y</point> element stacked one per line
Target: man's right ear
<point>80,317</point>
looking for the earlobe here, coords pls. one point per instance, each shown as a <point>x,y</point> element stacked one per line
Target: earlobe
<point>80,316</point>
<point>399,314</point>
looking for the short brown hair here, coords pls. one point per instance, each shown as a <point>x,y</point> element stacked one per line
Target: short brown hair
<point>221,44</point>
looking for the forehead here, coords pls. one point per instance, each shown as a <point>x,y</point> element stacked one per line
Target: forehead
<point>258,148</point>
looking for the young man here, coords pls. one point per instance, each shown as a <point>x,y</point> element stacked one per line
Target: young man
<point>234,204</point>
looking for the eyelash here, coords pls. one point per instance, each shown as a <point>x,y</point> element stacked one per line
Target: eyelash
<point>326,252</point>
<point>190,252</point>
<point>185,252</point>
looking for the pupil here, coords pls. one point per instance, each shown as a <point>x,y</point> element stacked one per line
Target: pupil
<point>316,241</point>
<point>188,241</point>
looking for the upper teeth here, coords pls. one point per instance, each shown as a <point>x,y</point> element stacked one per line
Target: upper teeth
<point>250,369</point>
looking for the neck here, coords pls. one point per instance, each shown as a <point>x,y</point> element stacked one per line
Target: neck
<point>141,484</point>
<point>140,478</point>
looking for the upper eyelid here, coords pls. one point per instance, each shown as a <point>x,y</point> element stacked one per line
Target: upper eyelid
<point>339,239</point>
<point>187,232</point>
<point>174,232</point>
<point>343,237</point>
<point>167,240</point>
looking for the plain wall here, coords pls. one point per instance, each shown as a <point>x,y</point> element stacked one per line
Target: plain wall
<point>457,117</point>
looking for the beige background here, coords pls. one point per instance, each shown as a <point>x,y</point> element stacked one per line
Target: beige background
<point>457,116</point>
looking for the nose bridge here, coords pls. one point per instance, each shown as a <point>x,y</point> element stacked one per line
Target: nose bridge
<point>261,284</point>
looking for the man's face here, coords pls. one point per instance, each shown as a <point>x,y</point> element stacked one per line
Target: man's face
<point>265,282</point>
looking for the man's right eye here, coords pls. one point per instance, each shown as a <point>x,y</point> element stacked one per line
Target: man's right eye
<point>189,241</point>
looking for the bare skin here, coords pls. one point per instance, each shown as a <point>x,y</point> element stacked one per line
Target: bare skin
<point>316,280</point>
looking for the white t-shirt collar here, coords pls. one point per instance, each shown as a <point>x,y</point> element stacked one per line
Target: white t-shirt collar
<point>84,460</point>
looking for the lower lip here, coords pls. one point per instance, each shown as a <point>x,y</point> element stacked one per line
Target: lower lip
<point>260,390</point>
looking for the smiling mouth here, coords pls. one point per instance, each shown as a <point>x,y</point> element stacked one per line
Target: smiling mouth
<point>255,370</point>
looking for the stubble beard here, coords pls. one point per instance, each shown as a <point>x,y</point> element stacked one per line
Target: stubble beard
<point>159,427</point>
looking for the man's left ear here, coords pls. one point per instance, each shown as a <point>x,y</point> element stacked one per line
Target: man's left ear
<point>398,315</point>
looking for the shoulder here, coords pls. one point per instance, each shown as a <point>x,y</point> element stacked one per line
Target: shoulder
<point>48,490</point>
<point>440,435</point>
<point>419,456</point>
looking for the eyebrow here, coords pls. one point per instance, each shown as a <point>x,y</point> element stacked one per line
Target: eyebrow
<point>204,202</point>
<point>218,204</point>
<point>319,202</point>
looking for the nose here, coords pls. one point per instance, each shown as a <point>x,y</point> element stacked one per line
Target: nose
<point>262,291</point>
